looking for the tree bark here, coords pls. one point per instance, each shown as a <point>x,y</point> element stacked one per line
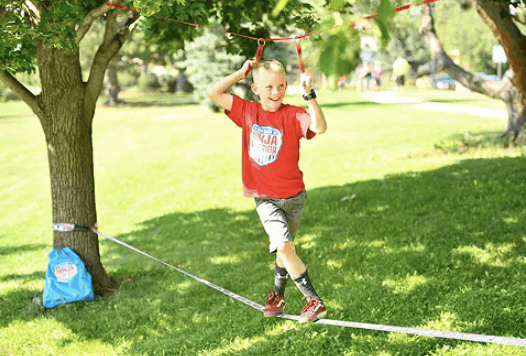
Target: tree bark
<point>111,85</point>
<point>67,126</point>
<point>512,89</point>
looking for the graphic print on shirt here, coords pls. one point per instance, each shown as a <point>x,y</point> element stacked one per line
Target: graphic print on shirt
<point>265,143</point>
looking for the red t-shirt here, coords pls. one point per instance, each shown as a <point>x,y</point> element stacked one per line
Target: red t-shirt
<point>271,143</point>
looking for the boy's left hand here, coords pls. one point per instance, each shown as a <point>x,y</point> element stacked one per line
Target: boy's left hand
<point>306,80</point>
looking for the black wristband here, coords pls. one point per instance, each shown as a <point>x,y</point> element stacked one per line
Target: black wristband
<point>311,95</point>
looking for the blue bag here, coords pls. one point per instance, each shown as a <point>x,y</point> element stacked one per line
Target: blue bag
<point>67,279</point>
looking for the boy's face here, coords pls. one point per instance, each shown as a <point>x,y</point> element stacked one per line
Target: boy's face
<point>271,88</point>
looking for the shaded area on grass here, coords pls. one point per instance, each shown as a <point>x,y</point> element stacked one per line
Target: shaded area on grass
<point>443,249</point>
<point>156,100</point>
<point>341,104</point>
<point>155,103</point>
<point>35,276</point>
<point>12,250</point>
<point>462,142</point>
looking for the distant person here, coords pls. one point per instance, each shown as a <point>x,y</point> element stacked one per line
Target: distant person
<point>368,76</point>
<point>356,77</point>
<point>378,73</point>
<point>363,76</point>
<point>400,69</point>
<point>342,81</point>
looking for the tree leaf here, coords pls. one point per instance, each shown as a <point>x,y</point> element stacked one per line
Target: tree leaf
<point>279,7</point>
<point>383,26</point>
<point>385,10</point>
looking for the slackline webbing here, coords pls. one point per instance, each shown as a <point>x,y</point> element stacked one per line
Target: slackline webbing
<point>67,227</point>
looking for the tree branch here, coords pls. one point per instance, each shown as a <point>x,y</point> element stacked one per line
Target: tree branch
<point>38,6</point>
<point>496,16</point>
<point>34,12</point>
<point>127,29</point>
<point>467,79</point>
<point>22,92</point>
<point>92,16</point>
<point>109,31</point>
<point>110,46</point>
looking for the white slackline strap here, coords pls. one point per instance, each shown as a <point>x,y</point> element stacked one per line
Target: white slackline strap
<point>423,332</point>
<point>62,227</point>
<point>204,281</point>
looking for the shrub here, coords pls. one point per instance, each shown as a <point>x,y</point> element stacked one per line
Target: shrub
<point>8,95</point>
<point>148,83</point>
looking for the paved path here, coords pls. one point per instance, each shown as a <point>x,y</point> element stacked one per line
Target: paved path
<point>388,97</point>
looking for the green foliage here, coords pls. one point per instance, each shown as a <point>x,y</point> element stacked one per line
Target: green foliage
<point>279,7</point>
<point>55,26</point>
<point>151,7</point>
<point>385,11</point>
<point>20,27</point>
<point>17,50</point>
<point>239,17</point>
<point>340,53</point>
<point>207,61</point>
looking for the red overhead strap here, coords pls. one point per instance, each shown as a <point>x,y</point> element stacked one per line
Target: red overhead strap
<point>300,61</point>
<point>259,52</point>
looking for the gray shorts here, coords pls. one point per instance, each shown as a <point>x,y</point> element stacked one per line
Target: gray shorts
<point>281,218</point>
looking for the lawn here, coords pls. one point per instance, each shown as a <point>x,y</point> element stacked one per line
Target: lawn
<point>406,224</point>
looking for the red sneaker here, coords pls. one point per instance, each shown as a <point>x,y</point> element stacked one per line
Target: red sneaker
<point>313,311</point>
<point>275,305</point>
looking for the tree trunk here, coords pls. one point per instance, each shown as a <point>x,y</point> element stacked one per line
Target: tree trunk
<point>182,83</point>
<point>512,89</point>
<point>67,125</point>
<point>112,86</point>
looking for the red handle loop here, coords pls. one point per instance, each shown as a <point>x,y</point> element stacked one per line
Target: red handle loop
<point>259,53</point>
<point>300,61</point>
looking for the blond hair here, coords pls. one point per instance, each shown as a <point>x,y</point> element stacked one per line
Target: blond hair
<point>272,66</point>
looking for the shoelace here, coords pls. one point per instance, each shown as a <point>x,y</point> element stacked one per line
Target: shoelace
<point>271,296</point>
<point>311,302</point>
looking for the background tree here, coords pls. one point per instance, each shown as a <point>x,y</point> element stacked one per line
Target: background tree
<point>209,51</point>
<point>507,29</point>
<point>46,34</point>
<point>406,41</point>
<point>471,46</point>
<point>464,34</point>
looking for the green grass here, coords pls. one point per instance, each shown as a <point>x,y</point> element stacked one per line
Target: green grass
<point>433,238</point>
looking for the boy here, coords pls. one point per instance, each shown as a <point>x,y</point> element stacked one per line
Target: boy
<point>271,134</point>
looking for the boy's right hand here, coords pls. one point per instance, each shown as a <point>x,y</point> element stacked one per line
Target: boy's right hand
<point>247,67</point>
<point>218,92</point>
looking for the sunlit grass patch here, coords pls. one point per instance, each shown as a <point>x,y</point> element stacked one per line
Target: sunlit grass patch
<point>490,254</point>
<point>405,285</point>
